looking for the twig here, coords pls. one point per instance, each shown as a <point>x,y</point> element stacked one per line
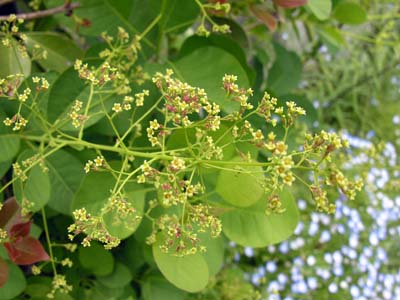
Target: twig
<point>2,2</point>
<point>44,13</point>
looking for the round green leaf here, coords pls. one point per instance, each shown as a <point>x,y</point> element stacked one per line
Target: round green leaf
<point>254,228</point>
<point>96,259</point>
<point>15,284</point>
<point>61,51</point>
<point>214,63</point>
<point>189,273</point>
<point>347,12</point>
<point>120,277</point>
<point>240,185</point>
<point>36,189</point>
<point>320,8</point>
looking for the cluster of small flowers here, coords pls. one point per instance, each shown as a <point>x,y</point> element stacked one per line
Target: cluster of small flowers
<point>18,172</point>
<point>181,100</point>
<point>17,120</point>
<point>124,211</point>
<point>207,147</point>
<point>122,53</point>
<point>10,84</point>
<point>215,8</point>
<point>3,235</point>
<point>266,108</point>
<point>93,228</point>
<point>41,83</point>
<point>151,133</point>
<point>10,30</point>
<point>199,214</point>
<point>35,159</point>
<point>324,143</point>
<point>274,205</point>
<point>238,94</point>
<point>59,284</point>
<point>347,187</point>
<point>96,164</point>
<point>96,76</point>
<point>26,207</point>
<point>77,118</point>
<point>183,239</point>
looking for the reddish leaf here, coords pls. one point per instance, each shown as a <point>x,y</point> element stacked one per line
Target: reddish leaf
<point>290,3</point>
<point>264,16</point>
<point>10,214</point>
<point>26,251</point>
<point>21,229</point>
<point>3,272</point>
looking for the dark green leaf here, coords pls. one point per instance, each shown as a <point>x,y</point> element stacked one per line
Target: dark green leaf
<point>96,259</point>
<point>348,12</point>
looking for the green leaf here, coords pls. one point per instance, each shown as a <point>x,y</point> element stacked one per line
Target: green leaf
<point>348,12</point>
<point>120,277</point>
<point>93,194</point>
<point>63,93</point>
<point>9,141</point>
<point>66,173</point>
<point>157,288</point>
<point>215,253</point>
<point>61,51</point>
<point>12,61</point>
<point>96,259</point>
<point>331,36</point>
<point>189,273</point>
<point>240,185</point>
<point>36,189</point>
<point>320,8</point>
<point>15,284</point>
<point>285,73</point>
<point>254,228</point>
<point>214,63</point>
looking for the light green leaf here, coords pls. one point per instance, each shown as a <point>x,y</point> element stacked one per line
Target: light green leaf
<point>214,63</point>
<point>157,288</point>
<point>285,73</point>
<point>189,273</point>
<point>254,228</point>
<point>320,8</point>
<point>215,253</point>
<point>12,61</point>
<point>348,12</point>
<point>96,259</point>
<point>66,173</point>
<point>240,185</point>
<point>36,189</point>
<point>15,284</point>
<point>61,51</point>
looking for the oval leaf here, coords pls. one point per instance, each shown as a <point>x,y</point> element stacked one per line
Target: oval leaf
<point>189,273</point>
<point>254,228</point>
<point>241,185</point>
<point>350,13</point>
<point>15,284</point>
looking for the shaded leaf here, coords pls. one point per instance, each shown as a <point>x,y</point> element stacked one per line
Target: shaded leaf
<point>4,270</point>
<point>15,284</point>
<point>348,12</point>
<point>61,51</point>
<point>12,61</point>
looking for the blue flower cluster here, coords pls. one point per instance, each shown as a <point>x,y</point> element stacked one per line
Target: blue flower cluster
<point>352,254</point>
